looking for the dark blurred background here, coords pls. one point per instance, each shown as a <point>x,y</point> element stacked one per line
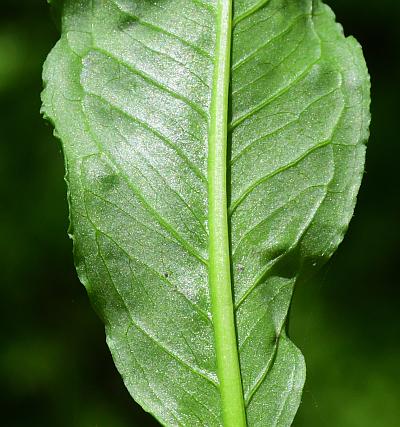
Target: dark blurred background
<point>55,368</point>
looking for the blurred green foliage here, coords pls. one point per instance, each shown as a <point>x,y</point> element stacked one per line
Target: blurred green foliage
<point>55,368</point>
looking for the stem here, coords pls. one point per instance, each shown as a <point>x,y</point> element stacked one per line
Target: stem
<point>233,411</point>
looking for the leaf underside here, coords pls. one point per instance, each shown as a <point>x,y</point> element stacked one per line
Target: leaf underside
<point>128,88</point>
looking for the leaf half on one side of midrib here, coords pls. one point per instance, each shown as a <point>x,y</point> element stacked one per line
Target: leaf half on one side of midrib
<point>213,155</point>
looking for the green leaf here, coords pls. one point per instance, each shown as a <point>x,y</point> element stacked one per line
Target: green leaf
<point>213,155</point>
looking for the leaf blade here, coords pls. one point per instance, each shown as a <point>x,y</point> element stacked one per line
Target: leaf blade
<point>129,91</point>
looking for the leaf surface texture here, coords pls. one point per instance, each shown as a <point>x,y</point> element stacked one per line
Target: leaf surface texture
<point>129,88</point>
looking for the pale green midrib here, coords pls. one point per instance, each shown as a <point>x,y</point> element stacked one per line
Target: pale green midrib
<point>228,369</point>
